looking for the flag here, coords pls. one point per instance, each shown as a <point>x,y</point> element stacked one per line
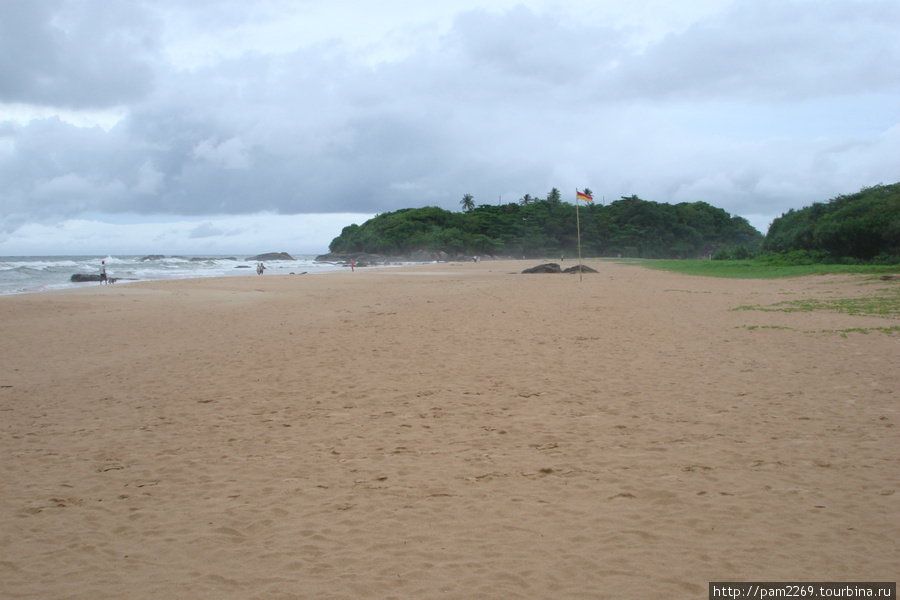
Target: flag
<point>583,196</point>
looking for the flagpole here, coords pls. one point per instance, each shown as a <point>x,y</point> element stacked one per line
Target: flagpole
<point>578,227</point>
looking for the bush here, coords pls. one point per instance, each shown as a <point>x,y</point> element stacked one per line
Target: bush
<point>796,258</point>
<point>740,253</point>
<point>886,259</point>
<point>862,226</point>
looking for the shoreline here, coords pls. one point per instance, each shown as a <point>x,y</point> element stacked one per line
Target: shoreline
<point>444,430</point>
<point>318,269</point>
<point>20,275</point>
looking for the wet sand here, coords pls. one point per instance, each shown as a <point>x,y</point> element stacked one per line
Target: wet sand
<point>444,431</point>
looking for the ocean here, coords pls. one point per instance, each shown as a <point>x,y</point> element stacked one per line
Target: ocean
<point>27,274</point>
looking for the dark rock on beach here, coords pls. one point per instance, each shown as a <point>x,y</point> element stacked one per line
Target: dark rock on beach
<point>272,256</point>
<point>555,268</point>
<point>415,256</point>
<point>545,268</point>
<point>93,277</point>
<point>427,256</point>
<point>582,269</point>
<point>360,258</point>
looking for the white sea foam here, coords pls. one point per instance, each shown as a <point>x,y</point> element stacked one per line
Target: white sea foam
<point>22,274</point>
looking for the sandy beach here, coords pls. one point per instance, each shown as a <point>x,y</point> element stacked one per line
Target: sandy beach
<point>451,431</point>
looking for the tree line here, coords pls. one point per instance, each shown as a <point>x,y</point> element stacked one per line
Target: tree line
<point>532,227</point>
<point>860,227</point>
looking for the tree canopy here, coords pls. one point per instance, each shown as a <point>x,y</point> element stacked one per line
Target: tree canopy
<point>629,227</point>
<point>864,226</point>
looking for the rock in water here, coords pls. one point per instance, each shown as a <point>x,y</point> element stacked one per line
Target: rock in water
<point>272,256</point>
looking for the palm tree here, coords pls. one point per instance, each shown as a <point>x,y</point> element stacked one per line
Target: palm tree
<point>526,200</point>
<point>467,202</point>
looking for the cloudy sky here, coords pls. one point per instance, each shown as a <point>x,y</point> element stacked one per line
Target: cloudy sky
<point>220,126</point>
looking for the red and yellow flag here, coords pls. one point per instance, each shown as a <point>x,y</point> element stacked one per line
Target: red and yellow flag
<point>583,196</point>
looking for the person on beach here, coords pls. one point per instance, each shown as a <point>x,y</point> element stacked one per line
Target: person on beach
<point>103,276</point>
<point>352,266</point>
<point>260,268</point>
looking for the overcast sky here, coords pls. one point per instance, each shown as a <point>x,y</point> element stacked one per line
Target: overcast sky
<point>220,126</point>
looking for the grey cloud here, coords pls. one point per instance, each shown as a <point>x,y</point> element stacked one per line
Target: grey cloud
<point>60,169</point>
<point>539,47</point>
<point>205,230</point>
<point>773,50</point>
<point>505,103</point>
<point>81,54</point>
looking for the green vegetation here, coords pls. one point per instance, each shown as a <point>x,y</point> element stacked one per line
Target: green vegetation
<point>864,330</point>
<point>849,229</point>
<point>884,301</point>
<point>848,234</point>
<point>629,227</point>
<point>886,304</point>
<point>761,268</point>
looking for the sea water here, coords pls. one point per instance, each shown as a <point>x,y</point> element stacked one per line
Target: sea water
<point>24,274</point>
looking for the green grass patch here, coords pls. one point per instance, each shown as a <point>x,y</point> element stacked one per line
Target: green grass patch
<point>865,330</point>
<point>882,302</point>
<point>887,306</point>
<point>842,332</point>
<point>753,269</point>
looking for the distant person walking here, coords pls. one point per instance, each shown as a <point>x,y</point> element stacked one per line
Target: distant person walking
<point>352,265</point>
<point>103,276</point>
<point>260,268</point>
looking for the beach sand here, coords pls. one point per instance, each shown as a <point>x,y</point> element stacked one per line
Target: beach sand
<point>449,431</point>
